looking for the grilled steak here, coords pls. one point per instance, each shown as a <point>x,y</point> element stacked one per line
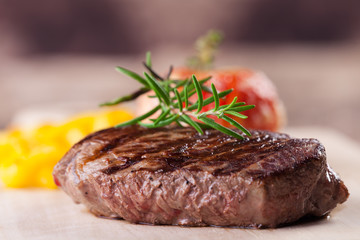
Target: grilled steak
<point>176,176</point>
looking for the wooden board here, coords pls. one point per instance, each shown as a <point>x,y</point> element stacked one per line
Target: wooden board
<point>51,214</point>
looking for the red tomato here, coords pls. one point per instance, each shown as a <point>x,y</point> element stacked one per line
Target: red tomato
<point>250,87</point>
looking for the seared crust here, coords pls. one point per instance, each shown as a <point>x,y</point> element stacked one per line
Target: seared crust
<point>176,176</point>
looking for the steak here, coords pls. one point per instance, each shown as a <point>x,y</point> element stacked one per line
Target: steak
<point>176,176</point>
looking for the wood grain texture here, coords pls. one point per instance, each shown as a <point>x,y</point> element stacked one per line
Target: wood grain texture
<point>51,214</point>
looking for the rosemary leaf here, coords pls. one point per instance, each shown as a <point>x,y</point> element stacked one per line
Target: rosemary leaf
<point>203,126</point>
<point>202,81</point>
<point>158,89</point>
<point>243,108</point>
<point>179,100</point>
<point>186,96</point>
<point>183,99</point>
<point>138,119</point>
<point>192,86</point>
<point>152,72</point>
<point>126,98</point>
<point>162,116</point>
<point>221,128</point>
<point>236,114</point>
<point>216,97</point>
<point>169,73</point>
<point>148,59</point>
<point>206,89</point>
<point>162,123</point>
<point>192,123</point>
<point>235,105</point>
<point>211,99</point>
<point>191,93</point>
<point>236,124</point>
<point>178,123</point>
<point>199,94</point>
<point>181,83</point>
<point>132,75</point>
<point>231,104</point>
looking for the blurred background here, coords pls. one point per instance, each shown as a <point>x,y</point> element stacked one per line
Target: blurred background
<point>61,54</point>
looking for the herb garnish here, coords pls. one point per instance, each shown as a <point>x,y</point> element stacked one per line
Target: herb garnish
<point>174,104</point>
<point>205,47</point>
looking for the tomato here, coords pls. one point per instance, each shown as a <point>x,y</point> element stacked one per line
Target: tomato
<point>249,86</point>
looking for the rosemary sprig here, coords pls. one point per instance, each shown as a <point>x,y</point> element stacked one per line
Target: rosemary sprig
<point>175,107</point>
<point>205,47</point>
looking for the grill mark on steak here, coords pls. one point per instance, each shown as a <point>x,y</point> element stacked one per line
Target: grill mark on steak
<point>113,169</point>
<point>175,154</point>
<point>176,176</point>
<point>111,143</point>
<point>174,157</point>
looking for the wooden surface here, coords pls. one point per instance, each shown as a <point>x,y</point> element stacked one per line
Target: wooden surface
<point>50,214</point>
